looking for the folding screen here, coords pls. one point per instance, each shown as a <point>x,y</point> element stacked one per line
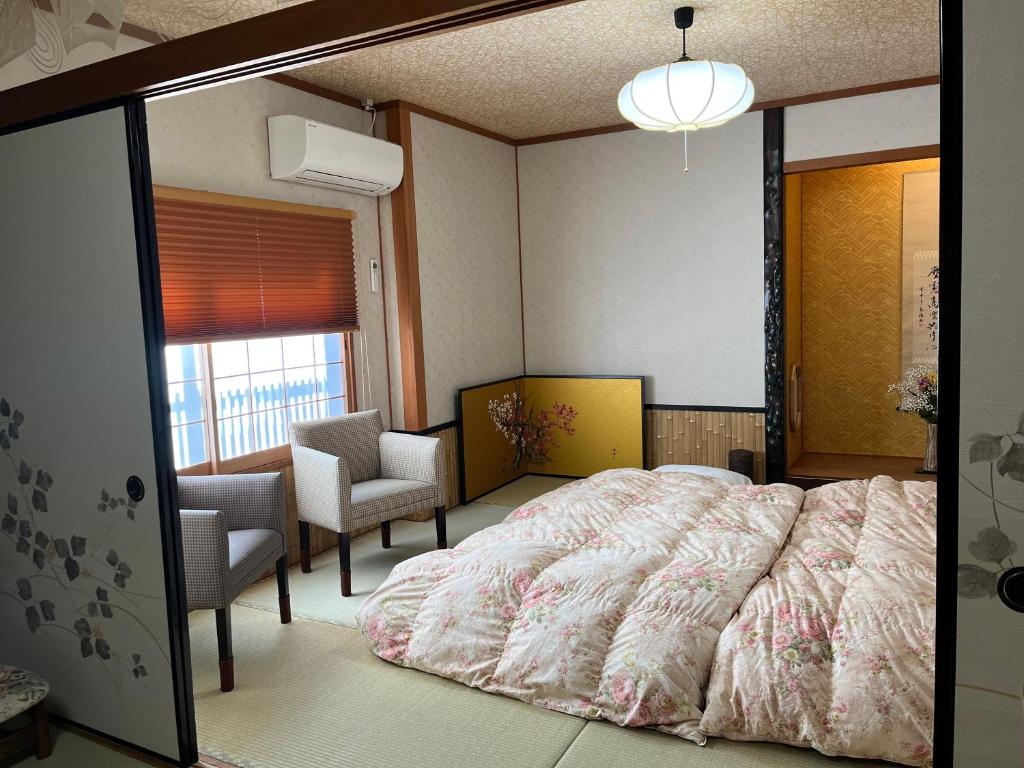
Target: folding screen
<point>549,425</point>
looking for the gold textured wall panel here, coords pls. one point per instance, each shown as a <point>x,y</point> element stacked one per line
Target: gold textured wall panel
<point>852,303</point>
<point>703,437</point>
<point>793,255</point>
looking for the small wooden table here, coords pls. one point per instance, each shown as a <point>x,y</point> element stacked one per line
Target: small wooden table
<point>24,691</point>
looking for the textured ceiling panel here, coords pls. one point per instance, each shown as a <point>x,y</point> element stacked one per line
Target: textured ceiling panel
<point>561,69</point>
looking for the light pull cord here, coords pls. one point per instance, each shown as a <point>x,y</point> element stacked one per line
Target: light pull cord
<point>686,154</point>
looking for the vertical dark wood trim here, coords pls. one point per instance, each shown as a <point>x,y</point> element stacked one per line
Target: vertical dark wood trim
<point>384,309</point>
<point>407,276</point>
<point>351,398</point>
<point>166,481</point>
<point>519,241</point>
<point>774,299</point>
<point>950,268</point>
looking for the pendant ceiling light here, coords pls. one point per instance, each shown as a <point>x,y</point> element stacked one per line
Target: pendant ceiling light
<point>686,95</point>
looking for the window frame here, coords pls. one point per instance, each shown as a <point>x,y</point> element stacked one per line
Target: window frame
<point>268,458</point>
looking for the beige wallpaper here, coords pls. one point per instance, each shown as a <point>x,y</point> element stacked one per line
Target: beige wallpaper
<point>467,229</point>
<point>50,56</point>
<point>904,118</point>
<point>389,297</point>
<point>631,266</point>
<point>216,140</point>
<point>990,668</point>
<point>852,291</point>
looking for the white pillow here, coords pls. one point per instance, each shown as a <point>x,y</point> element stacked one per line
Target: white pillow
<point>725,475</point>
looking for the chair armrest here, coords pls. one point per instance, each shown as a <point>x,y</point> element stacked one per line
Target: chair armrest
<point>323,487</point>
<point>254,500</point>
<point>413,457</point>
<point>204,541</point>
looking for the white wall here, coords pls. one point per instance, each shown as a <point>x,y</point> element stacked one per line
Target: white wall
<point>889,120</point>
<point>216,140</point>
<point>990,670</point>
<point>466,226</point>
<point>631,266</point>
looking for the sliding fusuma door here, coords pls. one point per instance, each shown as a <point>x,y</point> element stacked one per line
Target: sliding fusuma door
<point>88,592</point>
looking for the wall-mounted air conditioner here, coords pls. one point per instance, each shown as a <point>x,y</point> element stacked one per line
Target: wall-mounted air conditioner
<point>309,152</point>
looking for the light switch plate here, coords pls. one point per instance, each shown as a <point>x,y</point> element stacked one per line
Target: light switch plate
<point>374,275</point>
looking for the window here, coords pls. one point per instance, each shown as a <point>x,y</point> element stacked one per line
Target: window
<point>185,392</point>
<point>255,390</point>
<point>249,286</point>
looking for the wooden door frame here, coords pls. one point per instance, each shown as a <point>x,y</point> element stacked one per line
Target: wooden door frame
<point>950,233</point>
<point>951,157</point>
<point>798,168</point>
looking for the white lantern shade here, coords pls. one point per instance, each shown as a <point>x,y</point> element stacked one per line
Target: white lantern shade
<point>686,95</point>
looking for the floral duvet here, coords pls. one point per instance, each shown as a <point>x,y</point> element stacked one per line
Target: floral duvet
<point>603,599</point>
<point>834,649</point>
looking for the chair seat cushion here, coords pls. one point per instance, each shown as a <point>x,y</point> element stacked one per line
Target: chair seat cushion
<point>383,499</point>
<point>19,690</point>
<point>250,552</point>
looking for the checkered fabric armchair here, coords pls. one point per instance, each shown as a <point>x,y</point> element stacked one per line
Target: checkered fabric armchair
<point>350,473</point>
<point>233,531</point>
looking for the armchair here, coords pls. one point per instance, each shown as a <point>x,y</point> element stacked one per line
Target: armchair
<point>232,530</point>
<point>350,473</point>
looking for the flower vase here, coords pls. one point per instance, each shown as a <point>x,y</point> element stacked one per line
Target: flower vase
<point>931,452</point>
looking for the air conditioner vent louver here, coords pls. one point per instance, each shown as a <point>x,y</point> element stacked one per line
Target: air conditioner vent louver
<point>308,152</point>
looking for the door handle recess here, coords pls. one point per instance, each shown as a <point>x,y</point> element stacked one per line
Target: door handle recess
<point>135,488</point>
<point>1010,588</point>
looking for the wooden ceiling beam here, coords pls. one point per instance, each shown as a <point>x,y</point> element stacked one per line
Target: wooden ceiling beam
<point>265,44</point>
<point>433,114</point>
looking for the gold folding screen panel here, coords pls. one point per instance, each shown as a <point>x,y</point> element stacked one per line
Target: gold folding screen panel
<point>549,425</point>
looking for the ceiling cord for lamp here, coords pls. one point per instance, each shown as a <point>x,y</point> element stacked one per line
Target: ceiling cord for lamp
<point>686,154</point>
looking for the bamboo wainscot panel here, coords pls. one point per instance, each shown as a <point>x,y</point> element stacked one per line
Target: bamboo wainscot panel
<point>704,437</point>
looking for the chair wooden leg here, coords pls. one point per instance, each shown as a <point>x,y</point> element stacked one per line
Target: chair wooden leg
<point>344,555</point>
<point>385,534</point>
<point>442,536</point>
<point>284,600</point>
<point>41,730</point>
<point>304,546</point>
<point>227,659</point>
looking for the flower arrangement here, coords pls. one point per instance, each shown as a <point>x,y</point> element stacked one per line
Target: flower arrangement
<point>532,434</point>
<point>919,392</point>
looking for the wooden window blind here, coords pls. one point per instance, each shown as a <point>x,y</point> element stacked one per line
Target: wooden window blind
<point>241,268</point>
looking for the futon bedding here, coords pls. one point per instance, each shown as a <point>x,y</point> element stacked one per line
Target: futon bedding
<point>834,649</point>
<point>603,599</point>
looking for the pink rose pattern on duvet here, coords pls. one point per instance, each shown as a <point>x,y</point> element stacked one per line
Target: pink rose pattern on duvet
<point>603,599</point>
<point>835,648</point>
